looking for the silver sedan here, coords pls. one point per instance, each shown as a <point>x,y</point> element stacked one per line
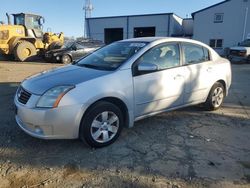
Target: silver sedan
<point>119,84</point>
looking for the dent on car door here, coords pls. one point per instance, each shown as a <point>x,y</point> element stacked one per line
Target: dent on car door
<point>161,84</point>
<point>200,70</point>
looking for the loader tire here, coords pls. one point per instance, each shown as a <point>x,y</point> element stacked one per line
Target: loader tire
<point>25,51</point>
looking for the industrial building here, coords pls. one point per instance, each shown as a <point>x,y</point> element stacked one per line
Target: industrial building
<point>110,29</point>
<point>222,25</point>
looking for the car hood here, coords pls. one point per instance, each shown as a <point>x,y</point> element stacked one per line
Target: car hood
<point>240,48</point>
<point>67,75</point>
<point>62,50</point>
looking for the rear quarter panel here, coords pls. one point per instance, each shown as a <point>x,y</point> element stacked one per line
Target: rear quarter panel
<point>222,71</point>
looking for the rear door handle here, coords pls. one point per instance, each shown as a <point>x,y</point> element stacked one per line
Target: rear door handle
<point>209,69</point>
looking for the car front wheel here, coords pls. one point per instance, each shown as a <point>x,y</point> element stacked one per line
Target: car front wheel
<point>101,125</point>
<point>216,97</point>
<point>66,59</point>
<point>248,59</point>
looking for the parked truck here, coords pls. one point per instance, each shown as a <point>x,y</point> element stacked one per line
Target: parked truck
<point>25,38</point>
<point>240,53</point>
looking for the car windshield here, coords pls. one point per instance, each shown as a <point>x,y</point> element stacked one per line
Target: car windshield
<point>68,45</point>
<point>112,56</point>
<point>245,43</point>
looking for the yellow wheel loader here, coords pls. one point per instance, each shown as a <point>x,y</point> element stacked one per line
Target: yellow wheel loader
<point>25,39</point>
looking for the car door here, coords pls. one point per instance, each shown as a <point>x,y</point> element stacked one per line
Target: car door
<point>78,51</point>
<point>200,72</point>
<point>162,88</point>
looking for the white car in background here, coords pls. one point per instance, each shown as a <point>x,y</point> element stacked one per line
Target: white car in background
<point>240,53</point>
<point>119,84</point>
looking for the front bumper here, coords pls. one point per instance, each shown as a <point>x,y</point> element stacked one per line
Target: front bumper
<point>238,58</point>
<point>57,123</point>
<point>52,58</point>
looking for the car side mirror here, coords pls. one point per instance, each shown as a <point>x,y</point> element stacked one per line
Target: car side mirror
<point>74,48</point>
<point>147,67</point>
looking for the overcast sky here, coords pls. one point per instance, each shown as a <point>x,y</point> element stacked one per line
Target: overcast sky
<point>68,16</point>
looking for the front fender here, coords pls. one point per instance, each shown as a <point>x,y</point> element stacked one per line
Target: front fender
<point>118,85</point>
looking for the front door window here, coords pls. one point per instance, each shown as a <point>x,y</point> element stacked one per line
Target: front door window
<point>164,56</point>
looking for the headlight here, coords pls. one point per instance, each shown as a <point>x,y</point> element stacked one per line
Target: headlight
<point>52,97</point>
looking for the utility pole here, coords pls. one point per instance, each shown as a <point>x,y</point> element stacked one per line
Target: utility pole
<point>88,8</point>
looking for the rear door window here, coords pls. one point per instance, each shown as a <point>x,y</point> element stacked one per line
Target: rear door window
<point>194,53</point>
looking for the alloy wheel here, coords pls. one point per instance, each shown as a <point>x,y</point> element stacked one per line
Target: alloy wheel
<point>217,97</point>
<point>66,59</point>
<point>104,127</point>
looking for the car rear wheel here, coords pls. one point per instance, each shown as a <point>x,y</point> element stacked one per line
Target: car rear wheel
<point>66,59</point>
<point>101,125</point>
<point>216,97</point>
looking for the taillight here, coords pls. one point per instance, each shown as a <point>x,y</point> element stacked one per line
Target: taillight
<point>242,53</point>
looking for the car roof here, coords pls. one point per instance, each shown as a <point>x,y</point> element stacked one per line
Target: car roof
<point>158,40</point>
<point>144,39</point>
<point>162,39</point>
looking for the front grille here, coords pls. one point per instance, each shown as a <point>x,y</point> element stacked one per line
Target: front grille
<point>237,52</point>
<point>23,95</point>
<point>48,55</point>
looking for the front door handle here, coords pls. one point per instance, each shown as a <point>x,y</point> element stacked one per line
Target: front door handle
<point>178,76</point>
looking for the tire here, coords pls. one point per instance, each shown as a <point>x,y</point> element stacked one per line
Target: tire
<point>24,51</point>
<point>216,97</point>
<point>248,59</point>
<point>98,132</point>
<point>66,59</point>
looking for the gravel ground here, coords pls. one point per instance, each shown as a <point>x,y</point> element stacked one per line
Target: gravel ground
<point>184,148</point>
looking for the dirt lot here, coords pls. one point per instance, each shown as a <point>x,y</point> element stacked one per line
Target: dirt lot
<point>184,148</point>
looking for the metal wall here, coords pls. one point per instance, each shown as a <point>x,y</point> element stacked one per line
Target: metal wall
<point>230,30</point>
<point>165,25</point>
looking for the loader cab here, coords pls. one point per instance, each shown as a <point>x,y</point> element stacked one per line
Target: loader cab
<point>33,24</point>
